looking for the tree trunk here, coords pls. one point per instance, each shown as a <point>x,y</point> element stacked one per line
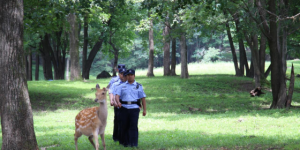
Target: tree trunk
<point>266,74</point>
<point>115,63</point>
<point>253,43</point>
<point>274,33</point>
<point>58,53</point>
<point>74,48</point>
<point>236,66</point>
<point>243,57</point>
<point>278,90</point>
<point>91,58</point>
<point>183,48</point>
<point>47,66</point>
<point>291,88</point>
<point>262,55</point>
<point>116,58</point>
<point>85,45</point>
<point>151,51</point>
<point>68,69</point>
<point>37,66</point>
<point>173,61</point>
<point>29,71</point>
<point>166,40</point>
<point>16,114</point>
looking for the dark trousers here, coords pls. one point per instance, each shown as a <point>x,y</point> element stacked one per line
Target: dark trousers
<point>116,124</point>
<point>129,133</point>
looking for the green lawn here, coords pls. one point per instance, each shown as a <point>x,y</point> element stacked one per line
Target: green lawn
<point>210,110</point>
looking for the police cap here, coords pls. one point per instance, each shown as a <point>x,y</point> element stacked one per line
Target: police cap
<point>122,70</point>
<point>129,71</point>
<point>121,66</point>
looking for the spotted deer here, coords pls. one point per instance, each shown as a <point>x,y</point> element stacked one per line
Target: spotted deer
<point>92,121</point>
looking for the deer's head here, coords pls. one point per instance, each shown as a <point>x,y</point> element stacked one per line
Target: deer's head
<point>100,94</point>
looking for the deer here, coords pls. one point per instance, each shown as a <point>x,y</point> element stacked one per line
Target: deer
<point>92,121</point>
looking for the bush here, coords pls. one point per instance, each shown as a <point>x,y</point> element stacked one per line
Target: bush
<point>212,54</point>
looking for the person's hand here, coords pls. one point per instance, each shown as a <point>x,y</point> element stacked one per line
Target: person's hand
<point>144,113</point>
<point>119,105</point>
<point>112,103</point>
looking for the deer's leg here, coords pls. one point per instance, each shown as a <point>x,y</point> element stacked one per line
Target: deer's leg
<point>103,141</point>
<point>91,140</point>
<point>76,136</point>
<point>95,135</point>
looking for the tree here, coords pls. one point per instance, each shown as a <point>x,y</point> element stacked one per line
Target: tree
<point>151,50</point>
<point>275,23</point>
<point>16,114</point>
<point>183,48</point>
<point>173,58</point>
<point>166,41</point>
<point>91,13</point>
<point>45,27</point>
<point>74,48</point>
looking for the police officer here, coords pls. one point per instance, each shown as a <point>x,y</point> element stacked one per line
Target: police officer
<point>111,98</point>
<point>116,109</point>
<point>113,80</point>
<point>127,96</point>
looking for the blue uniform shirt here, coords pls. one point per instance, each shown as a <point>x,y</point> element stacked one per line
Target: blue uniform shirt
<point>114,86</point>
<point>113,80</point>
<point>130,93</point>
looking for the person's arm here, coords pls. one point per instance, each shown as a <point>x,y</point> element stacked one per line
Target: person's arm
<point>117,98</point>
<point>111,98</point>
<point>144,106</point>
<point>111,95</point>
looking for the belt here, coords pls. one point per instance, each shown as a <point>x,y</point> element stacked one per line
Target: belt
<point>125,102</point>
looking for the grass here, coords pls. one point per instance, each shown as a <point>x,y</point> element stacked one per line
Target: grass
<point>210,110</point>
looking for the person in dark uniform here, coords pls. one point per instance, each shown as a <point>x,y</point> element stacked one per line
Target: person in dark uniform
<point>116,109</point>
<point>112,101</point>
<point>113,80</point>
<point>127,96</point>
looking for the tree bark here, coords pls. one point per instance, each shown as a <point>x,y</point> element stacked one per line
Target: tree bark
<point>74,48</point>
<point>28,60</point>
<point>16,114</point>
<point>236,66</point>
<point>243,57</point>
<point>183,48</point>
<point>173,61</point>
<point>166,40</point>
<point>47,66</point>
<point>253,43</point>
<point>116,58</point>
<point>151,51</point>
<point>278,91</point>
<point>115,63</point>
<point>85,45</point>
<point>91,58</point>
<point>291,88</point>
<point>266,74</point>
<point>262,55</point>
<point>37,66</point>
<point>58,55</point>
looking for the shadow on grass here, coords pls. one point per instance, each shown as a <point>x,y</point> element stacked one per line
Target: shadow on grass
<point>200,94</point>
<point>62,95</point>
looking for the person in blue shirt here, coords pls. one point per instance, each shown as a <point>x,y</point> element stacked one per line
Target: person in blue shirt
<point>113,80</point>
<point>116,109</point>
<point>127,96</point>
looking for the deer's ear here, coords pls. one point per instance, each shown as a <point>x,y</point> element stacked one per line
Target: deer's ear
<point>97,86</point>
